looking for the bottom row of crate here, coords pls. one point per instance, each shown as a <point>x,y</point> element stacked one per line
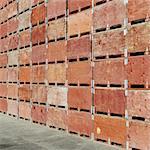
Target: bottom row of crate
<point>112,130</point>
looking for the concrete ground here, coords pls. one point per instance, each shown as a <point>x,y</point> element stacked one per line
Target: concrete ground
<point>23,135</point>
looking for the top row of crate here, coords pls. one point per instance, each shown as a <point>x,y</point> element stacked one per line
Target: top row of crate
<point>137,9</point>
<point>23,4</point>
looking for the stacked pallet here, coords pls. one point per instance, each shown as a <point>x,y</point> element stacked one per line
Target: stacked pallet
<point>137,70</point>
<point>79,71</point>
<point>79,66</point>
<point>9,57</point>
<point>109,71</point>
